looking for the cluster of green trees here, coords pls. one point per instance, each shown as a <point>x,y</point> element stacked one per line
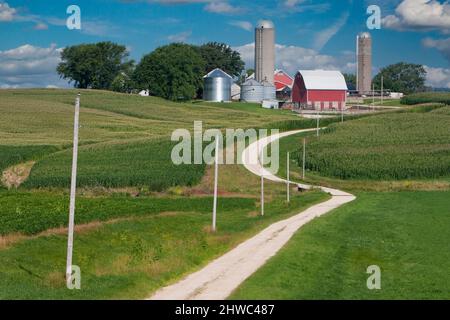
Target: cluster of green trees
<point>400,77</point>
<point>174,71</point>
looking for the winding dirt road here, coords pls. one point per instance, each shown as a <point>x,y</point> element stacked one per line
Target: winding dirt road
<point>219,278</point>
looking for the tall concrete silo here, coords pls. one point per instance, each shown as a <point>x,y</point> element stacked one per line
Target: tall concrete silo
<point>265,51</point>
<point>364,63</point>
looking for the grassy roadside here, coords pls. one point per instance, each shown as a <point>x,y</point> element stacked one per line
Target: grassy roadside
<point>404,233</point>
<point>130,258</point>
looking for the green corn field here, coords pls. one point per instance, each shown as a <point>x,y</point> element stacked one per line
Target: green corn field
<point>385,147</point>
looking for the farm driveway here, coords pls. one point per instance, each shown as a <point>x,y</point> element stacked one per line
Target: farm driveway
<point>219,278</point>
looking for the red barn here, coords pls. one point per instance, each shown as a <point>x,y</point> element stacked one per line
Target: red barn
<point>283,84</point>
<point>319,90</point>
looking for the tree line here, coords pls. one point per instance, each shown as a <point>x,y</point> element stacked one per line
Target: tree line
<point>400,77</point>
<point>173,71</point>
<point>176,71</point>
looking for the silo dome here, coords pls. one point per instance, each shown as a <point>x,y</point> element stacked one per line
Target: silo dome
<point>265,24</point>
<point>217,86</point>
<point>364,35</point>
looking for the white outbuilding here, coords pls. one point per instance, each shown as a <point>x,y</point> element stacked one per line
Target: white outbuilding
<point>144,93</point>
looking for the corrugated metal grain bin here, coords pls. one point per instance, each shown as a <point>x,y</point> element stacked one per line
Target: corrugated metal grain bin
<point>269,91</point>
<point>217,86</point>
<point>252,91</point>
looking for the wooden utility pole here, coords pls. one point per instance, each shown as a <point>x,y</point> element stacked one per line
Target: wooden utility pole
<point>287,175</point>
<point>261,162</point>
<point>216,181</point>
<point>73,187</point>
<point>318,122</point>
<point>373,96</point>
<point>304,157</point>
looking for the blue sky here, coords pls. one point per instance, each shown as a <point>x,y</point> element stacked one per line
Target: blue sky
<point>310,33</point>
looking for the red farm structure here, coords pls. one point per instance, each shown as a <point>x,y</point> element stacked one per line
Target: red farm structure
<point>319,90</point>
<point>283,84</point>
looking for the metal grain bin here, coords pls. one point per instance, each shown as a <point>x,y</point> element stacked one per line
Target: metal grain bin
<point>252,91</point>
<point>269,91</point>
<point>235,92</point>
<point>217,86</point>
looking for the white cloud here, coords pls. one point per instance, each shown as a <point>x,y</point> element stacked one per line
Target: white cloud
<point>298,6</point>
<point>293,58</point>
<point>40,26</point>
<point>443,45</point>
<point>292,3</point>
<point>6,12</point>
<point>215,6</point>
<point>248,26</point>
<point>438,77</point>
<point>221,6</point>
<point>322,38</point>
<point>180,37</point>
<point>30,66</point>
<point>420,15</point>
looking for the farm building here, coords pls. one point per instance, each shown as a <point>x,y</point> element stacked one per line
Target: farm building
<point>283,85</point>
<point>235,92</point>
<point>217,86</point>
<point>319,90</point>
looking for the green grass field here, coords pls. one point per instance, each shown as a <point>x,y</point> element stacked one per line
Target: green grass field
<point>129,240</point>
<point>159,241</point>
<point>142,222</point>
<point>124,139</point>
<point>404,233</point>
<point>386,102</point>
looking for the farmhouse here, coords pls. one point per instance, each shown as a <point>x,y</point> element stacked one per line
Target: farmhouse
<point>319,90</point>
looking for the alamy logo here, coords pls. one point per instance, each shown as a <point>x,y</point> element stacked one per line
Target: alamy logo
<point>74,20</point>
<point>374,21</point>
<point>74,279</point>
<point>374,280</point>
<point>201,147</point>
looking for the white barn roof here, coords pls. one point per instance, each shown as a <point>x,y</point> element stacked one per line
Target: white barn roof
<point>323,80</point>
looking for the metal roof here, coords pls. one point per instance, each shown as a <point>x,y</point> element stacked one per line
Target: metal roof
<point>252,82</point>
<point>218,73</point>
<point>323,80</point>
<point>282,79</point>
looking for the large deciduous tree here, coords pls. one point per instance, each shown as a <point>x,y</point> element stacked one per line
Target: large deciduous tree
<point>350,78</point>
<point>402,77</point>
<point>220,55</point>
<point>172,72</point>
<point>94,65</point>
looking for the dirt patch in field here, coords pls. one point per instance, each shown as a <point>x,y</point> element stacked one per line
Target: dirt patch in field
<point>14,176</point>
<point>10,239</point>
<point>6,241</point>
